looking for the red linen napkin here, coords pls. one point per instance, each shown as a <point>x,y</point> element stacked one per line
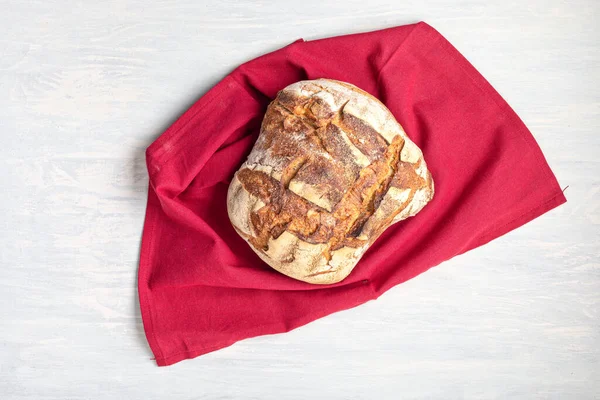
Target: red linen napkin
<point>202,288</point>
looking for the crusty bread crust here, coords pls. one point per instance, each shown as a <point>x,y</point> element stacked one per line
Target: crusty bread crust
<point>330,171</point>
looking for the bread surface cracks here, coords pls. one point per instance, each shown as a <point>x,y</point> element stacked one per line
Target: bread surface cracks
<point>354,199</point>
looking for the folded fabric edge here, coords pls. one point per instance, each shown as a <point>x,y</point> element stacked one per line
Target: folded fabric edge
<point>144,274</point>
<point>262,330</point>
<point>547,205</point>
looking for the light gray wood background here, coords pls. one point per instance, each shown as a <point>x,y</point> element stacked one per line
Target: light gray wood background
<point>86,86</point>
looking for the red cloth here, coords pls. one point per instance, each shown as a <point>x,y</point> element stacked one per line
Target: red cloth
<point>202,288</point>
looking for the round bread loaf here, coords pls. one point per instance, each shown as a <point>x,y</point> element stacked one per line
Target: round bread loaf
<point>331,170</point>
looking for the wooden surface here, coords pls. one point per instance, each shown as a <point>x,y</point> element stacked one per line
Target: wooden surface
<point>86,86</point>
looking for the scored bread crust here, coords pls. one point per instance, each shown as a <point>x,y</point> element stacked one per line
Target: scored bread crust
<point>329,172</point>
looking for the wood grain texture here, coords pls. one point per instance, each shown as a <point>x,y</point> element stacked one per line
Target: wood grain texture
<point>86,86</point>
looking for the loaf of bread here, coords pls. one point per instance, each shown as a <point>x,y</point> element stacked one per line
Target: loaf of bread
<point>330,171</point>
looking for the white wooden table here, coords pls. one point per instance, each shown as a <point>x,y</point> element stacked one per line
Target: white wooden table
<point>86,86</point>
